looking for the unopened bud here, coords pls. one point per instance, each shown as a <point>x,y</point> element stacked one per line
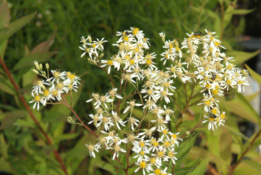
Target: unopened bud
<point>70,120</point>
<point>41,67</point>
<point>36,65</point>
<point>35,71</point>
<point>47,66</point>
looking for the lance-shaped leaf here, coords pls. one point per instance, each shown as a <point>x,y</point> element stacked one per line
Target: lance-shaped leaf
<point>15,26</point>
<point>241,57</point>
<point>11,117</point>
<point>254,74</point>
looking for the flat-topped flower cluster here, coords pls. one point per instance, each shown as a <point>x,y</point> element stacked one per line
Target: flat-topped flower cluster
<point>51,89</point>
<point>139,125</point>
<point>197,61</point>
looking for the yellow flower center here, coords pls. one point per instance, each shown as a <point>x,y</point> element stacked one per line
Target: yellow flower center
<point>135,31</point>
<point>214,111</point>
<point>170,154</point>
<point>109,62</point>
<point>72,76</point>
<point>59,85</point>
<point>148,62</point>
<point>207,103</point>
<point>228,82</point>
<point>215,91</point>
<point>131,62</point>
<point>142,165</point>
<point>149,92</point>
<point>152,161</point>
<point>55,93</point>
<point>56,74</point>
<point>166,144</point>
<point>208,86</point>
<point>46,93</point>
<point>37,98</point>
<point>174,136</point>
<point>125,38</point>
<point>223,116</point>
<point>163,93</point>
<point>157,171</point>
<point>160,154</point>
<point>211,119</point>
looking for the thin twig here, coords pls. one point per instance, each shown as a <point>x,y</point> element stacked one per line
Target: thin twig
<point>233,167</point>
<point>49,141</point>
<point>85,126</point>
<point>113,85</point>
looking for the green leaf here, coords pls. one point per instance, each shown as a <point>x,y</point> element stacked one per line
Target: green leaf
<point>3,146</point>
<point>241,57</point>
<point>4,15</point>
<point>252,96</point>
<point>5,166</point>
<point>44,46</point>
<point>15,26</point>
<point>11,117</point>
<point>30,58</point>
<point>241,107</point>
<point>185,147</point>
<point>256,76</point>
<point>6,86</point>
<point>201,168</point>
<point>241,11</point>
<point>244,169</point>
<point>254,164</point>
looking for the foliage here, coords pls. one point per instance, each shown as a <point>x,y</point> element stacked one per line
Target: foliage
<point>23,148</point>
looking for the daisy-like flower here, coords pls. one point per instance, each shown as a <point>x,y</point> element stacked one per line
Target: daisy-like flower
<point>92,149</point>
<point>113,94</point>
<point>147,132</point>
<point>39,85</point>
<point>37,100</point>
<point>106,121</point>
<point>133,122</point>
<point>167,113</point>
<point>57,75</point>
<point>145,167</point>
<point>175,138</point>
<point>211,121</point>
<point>160,123</point>
<point>107,63</point>
<point>117,149</point>
<point>118,121</point>
<point>131,106</point>
<point>142,155</point>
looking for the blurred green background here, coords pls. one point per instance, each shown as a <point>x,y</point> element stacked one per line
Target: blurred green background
<point>67,21</point>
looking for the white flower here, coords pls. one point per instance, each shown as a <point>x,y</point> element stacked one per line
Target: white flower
<point>92,149</point>
<point>211,122</point>
<point>37,100</point>
<point>131,105</point>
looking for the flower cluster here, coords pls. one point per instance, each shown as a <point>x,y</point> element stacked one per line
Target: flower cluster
<point>52,88</point>
<point>140,128</point>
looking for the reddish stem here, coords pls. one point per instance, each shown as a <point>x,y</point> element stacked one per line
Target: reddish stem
<point>49,141</point>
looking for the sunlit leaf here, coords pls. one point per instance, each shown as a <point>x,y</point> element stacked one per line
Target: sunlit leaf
<point>241,57</point>
<point>241,11</point>
<point>256,76</point>
<point>201,168</point>
<point>241,106</point>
